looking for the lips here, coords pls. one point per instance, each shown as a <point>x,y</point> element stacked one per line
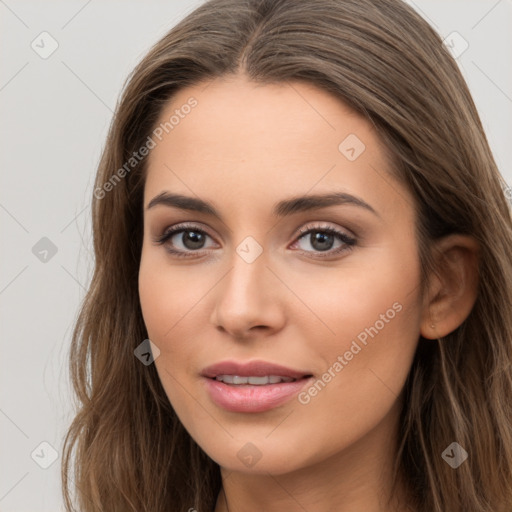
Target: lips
<point>256,386</point>
<point>252,369</point>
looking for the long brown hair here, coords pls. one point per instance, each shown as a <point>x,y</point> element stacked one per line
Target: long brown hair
<point>126,450</point>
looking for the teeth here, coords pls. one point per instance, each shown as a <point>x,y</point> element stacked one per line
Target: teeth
<point>255,381</point>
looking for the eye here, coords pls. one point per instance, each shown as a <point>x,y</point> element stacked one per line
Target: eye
<point>187,237</point>
<point>188,240</point>
<point>322,239</point>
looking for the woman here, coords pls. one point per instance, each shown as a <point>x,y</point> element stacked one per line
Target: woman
<point>303,287</point>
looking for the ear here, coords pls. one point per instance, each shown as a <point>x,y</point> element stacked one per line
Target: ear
<point>453,287</point>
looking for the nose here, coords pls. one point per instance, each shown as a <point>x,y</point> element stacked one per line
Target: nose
<point>248,299</point>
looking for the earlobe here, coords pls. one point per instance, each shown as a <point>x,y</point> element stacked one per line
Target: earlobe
<point>453,286</point>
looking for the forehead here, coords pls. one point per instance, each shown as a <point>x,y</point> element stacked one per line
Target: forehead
<point>245,117</point>
<point>257,141</point>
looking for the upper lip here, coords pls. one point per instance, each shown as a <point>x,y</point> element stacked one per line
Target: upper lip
<point>252,368</point>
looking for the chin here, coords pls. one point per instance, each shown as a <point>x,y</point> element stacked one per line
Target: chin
<point>257,454</point>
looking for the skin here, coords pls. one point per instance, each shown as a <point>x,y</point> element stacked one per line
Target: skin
<point>244,147</point>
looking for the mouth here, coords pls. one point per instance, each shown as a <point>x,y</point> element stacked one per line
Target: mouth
<point>252,369</point>
<point>253,380</point>
<point>257,386</point>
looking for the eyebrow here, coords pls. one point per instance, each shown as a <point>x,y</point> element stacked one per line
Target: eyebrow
<point>283,208</point>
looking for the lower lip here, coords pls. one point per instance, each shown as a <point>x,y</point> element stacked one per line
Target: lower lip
<point>247,398</point>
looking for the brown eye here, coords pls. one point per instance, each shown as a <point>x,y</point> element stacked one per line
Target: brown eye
<point>183,240</point>
<point>323,239</point>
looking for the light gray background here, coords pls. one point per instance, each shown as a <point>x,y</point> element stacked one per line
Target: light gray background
<point>55,114</point>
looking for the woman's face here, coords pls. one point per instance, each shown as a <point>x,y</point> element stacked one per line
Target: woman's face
<point>326,288</point>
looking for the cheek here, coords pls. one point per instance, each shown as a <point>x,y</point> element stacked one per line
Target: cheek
<point>171,299</point>
<point>364,375</point>
<point>374,318</point>
<point>364,293</point>
<point>166,296</point>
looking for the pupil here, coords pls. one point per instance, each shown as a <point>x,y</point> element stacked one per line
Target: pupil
<point>193,240</point>
<point>325,241</point>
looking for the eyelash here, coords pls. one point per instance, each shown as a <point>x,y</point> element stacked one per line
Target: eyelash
<point>348,241</point>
